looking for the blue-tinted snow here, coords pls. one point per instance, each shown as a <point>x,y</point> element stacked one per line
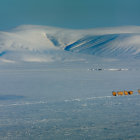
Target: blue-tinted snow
<point>71,96</point>
<point>67,101</point>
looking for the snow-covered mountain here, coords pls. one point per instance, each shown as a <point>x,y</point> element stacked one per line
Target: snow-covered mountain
<point>108,45</point>
<point>42,43</point>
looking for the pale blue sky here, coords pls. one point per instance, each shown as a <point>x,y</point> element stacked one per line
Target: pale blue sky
<point>69,13</point>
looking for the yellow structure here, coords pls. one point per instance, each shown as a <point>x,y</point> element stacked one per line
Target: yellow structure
<point>120,93</point>
<point>125,92</point>
<point>114,93</point>
<point>139,91</point>
<point>130,92</point>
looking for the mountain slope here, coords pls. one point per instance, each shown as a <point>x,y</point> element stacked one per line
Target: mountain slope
<point>46,44</point>
<point>108,45</point>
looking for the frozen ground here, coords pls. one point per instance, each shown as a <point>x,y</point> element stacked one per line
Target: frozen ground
<point>68,101</point>
<point>58,94</point>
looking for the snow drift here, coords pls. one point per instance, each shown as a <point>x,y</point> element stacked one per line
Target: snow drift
<point>44,44</point>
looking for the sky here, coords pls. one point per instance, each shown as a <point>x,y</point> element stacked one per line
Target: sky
<point>75,14</point>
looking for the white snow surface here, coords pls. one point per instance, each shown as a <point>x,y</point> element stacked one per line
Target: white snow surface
<point>62,81</point>
<point>31,43</point>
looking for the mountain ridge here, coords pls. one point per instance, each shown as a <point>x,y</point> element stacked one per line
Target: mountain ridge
<point>33,41</point>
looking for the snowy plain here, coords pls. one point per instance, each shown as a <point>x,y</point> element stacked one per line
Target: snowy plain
<point>51,86</point>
